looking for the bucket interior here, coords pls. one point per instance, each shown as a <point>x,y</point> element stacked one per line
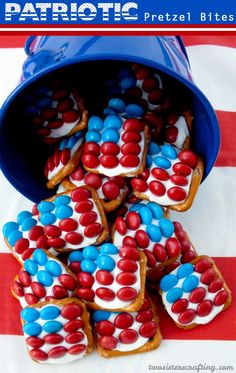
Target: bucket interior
<point>24,154</point>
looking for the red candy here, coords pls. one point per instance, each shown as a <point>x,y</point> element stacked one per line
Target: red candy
<point>133,220</point>
<point>105,327</point>
<point>171,134</point>
<point>104,277</point>
<point>214,286</point>
<point>142,239</point>
<point>127,265</point>
<point>31,299</point>
<point>129,241</point>
<point>110,190</point>
<point>126,294</point>
<point>73,325</point>
<point>88,218</point>
<point>177,194</point>
<point>121,225</point>
<point>24,278</point>
<point>59,292</point>
<point>159,252</point>
<point>57,243</point>
<point>129,160</point>
<point>189,158</point>
<point>37,354</point>
<point>131,136</point>
<point>68,225</point>
<point>83,206</point>
<point>86,294</point>
<point>74,238</point>
<point>142,73</point>
<point>204,308</point>
<point>91,148</point>
<point>160,174</point>
<point>53,339</point>
<point>52,231</point>
<point>155,96</point>
<point>221,298</point>
<point>35,342</point>
<point>78,174</point>
<point>90,161</point>
<point>179,180</point>
<point>133,124</point>
<point>148,329</point>
<point>157,188</point>
<point>144,316</point>
<point>67,281</point>
<point>172,247</point>
<point>85,279</point>
<point>57,352</point>
<point>70,116</point>
<point>65,105</point>
<point>38,289</point>
<point>130,148</point>
<point>65,156</point>
<point>108,342</point>
<point>17,288</point>
<point>110,148</point>
<point>71,311</point>
<point>172,118</point>
<point>21,245</point>
<point>149,84</point>
<point>93,230</point>
<point>128,336</point>
<point>123,320</point>
<point>139,185</point>
<point>35,233</point>
<point>186,316</point>
<point>146,305</point>
<point>145,174</point>
<point>151,260</point>
<point>77,349</point>
<point>74,337</point>
<point>179,306</point>
<point>126,278</point>
<point>128,252</point>
<point>41,243</point>
<point>202,265</point>
<point>188,256</point>
<point>109,161</point>
<point>93,180</point>
<point>80,194</point>
<point>49,114</point>
<point>182,169</point>
<point>105,294</point>
<point>197,295</point>
<point>208,276</point>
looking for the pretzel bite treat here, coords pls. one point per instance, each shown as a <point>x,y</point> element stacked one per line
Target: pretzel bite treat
<point>194,293</point>
<point>171,177</point>
<point>144,226</point>
<point>178,129</point>
<point>109,277</point>
<point>125,333</point>
<point>64,159</point>
<point>43,278</point>
<point>55,110</point>
<point>111,190</point>
<point>57,332</point>
<point>117,145</point>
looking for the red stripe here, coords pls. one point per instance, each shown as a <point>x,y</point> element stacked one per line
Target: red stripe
<point>220,329</point>
<point>12,41</point>
<point>223,40</point>
<point>227,154</point>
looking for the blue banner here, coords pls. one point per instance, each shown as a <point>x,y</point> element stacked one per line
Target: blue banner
<point>136,12</point>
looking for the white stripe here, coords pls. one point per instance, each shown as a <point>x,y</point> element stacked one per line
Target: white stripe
<point>11,60</point>
<point>214,70</point>
<point>14,358</point>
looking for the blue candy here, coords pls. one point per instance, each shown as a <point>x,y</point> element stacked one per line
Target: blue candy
<point>168,151</point>
<point>95,123</point>
<point>63,212</point>
<point>76,256</point>
<point>49,313</point>
<point>162,162</point>
<point>190,283</point>
<point>174,294</point>
<point>32,328</point>
<point>146,215</point>
<point>106,262</point>
<point>157,211</point>
<point>113,121</point>
<point>31,110</point>
<point>44,278</point>
<point>154,232</point>
<point>41,91</point>
<point>9,227</point>
<point>93,136</point>
<point>136,206</point>
<point>48,218</point>
<point>110,135</point>
<point>14,236</point>
<point>148,160</point>
<point>52,326</point>
<point>29,314</point>
<point>117,104</point>
<point>40,257</point>
<point>63,144</point>
<point>22,216</point>
<point>53,268</point>
<point>72,141</point>
<point>153,148</point>
<point>45,102</point>
<point>108,248</point>
<point>185,270</point>
<point>108,111</point>
<point>167,227</point>
<point>45,206</point>
<point>27,224</point>
<point>134,110</point>
<point>79,135</point>
<point>101,315</point>
<point>114,91</point>
<point>31,267</point>
<point>168,281</point>
<point>62,200</point>
<point>123,73</point>
<point>127,83</point>
<point>87,265</point>
<point>90,252</point>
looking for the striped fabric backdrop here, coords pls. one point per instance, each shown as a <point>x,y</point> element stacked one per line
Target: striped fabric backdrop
<point>210,224</point>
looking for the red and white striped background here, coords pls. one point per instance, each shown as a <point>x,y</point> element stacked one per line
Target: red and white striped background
<point>210,224</point>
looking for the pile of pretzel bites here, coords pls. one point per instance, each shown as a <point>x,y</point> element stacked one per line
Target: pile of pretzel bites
<point>94,253</point>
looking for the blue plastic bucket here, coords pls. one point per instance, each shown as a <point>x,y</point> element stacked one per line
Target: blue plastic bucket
<point>20,158</point>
